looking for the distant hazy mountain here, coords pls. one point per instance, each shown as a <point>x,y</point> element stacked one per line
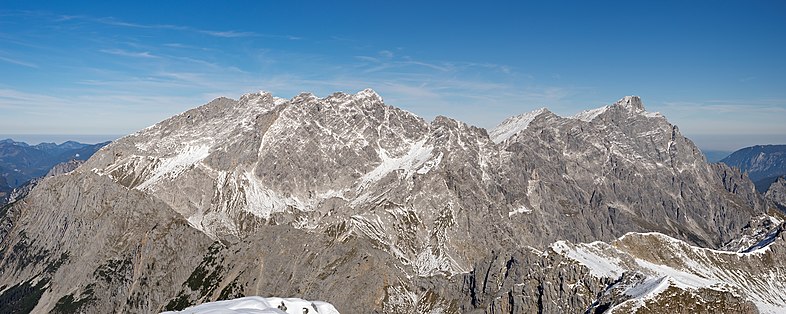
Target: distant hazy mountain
<point>4,187</point>
<point>21,162</point>
<point>763,163</point>
<point>715,155</point>
<point>21,191</point>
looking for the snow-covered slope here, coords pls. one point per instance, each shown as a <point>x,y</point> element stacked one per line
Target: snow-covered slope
<point>589,115</point>
<point>260,305</point>
<point>645,266</point>
<point>513,125</point>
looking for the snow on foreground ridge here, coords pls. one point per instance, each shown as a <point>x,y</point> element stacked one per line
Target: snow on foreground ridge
<point>682,266</point>
<point>260,305</point>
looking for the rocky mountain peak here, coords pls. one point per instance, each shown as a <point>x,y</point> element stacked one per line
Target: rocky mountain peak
<point>261,97</point>
<point>368,93</point>
<point>279,156</point>
<point>631,103</point>
<point>515,124</point>
<point>366,97</point>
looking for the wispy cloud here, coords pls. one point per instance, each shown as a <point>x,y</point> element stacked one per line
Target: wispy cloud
<point>19,62</point>
<point>215,33</point>
<point>115,22</point>
<point>386,54</point>
<point>124,53</point>
<point>367,59</point>
<point>228,34</point>
<point>387,60</point>
<point>176,71</point>
<point>443,68</point>
<point>14,99</point>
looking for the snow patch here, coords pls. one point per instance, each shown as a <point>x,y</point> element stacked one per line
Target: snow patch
<point>513,125</point>
<point>262,202</point>
<point>591,256</point>
<point>695,268</point>
<point>649,288</point>
<point>680,278</point>
<point>260,305</point>
<point>414,159</point>
<point>520,210</point>
<point>431,261</point>
<point>651,114</point>
<point>279,101</point>
<point>171,167</point>
<point>368,93</point>
<point>432,163</point>
<point>589,115</point>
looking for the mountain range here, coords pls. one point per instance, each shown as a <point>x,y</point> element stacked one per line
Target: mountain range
<point>21,162</point>
<point>763,163</point>
<point>375,210</point>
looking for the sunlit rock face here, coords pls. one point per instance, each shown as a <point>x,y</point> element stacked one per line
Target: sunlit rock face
<point>372,209</point>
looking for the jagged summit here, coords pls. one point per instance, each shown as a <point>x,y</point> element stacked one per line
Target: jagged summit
<point>630,102</point>
<point>260,98</point>
<point>513,125</point>
<point>265,156</point>
<point>368,93</point>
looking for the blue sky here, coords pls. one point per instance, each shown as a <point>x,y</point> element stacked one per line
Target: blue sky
<point>96,69</point>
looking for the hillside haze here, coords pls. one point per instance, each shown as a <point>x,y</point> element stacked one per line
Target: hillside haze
<point>763,163</point>
<point>373,209</point>
<point>21,162</point>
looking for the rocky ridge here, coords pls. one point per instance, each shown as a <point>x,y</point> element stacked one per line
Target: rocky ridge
<point>316,192</point>
<point>777,193</point>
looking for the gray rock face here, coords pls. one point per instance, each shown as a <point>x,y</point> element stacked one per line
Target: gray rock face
<point>306,197</point>
<point>64,167</point>
<point>623,169</point>
<point>97,246</point>
<point>777,193</point>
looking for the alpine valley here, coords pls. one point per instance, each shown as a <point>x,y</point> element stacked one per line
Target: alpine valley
<point>372,209</point>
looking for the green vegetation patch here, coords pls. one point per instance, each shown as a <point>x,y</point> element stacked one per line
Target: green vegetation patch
<point>232,291</point>
<point>181,302</point>
<point>69,304</point>
<point>54,266</point>
<point>206,277</point>
<point>23,297</point>
<point>204,280</point>
<point>113,269</point>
